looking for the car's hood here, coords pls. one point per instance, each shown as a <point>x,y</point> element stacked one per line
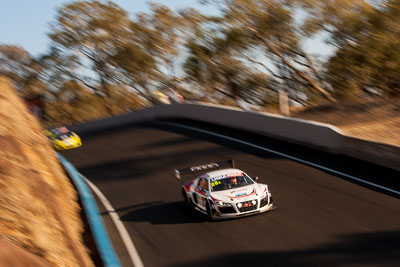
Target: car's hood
<point>68,141</point>
<point>239,194</point>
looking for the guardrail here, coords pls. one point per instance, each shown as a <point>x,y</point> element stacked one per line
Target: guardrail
<point>308,133</point>
<point>103,243</point>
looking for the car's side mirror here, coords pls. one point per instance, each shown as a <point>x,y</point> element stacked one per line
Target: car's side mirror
<point>202,189</point>
<point>256,179</point>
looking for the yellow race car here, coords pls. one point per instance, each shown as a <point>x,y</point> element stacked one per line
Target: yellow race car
<point>61,138</point>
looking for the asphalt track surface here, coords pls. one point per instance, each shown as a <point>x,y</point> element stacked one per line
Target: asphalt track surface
<point>321,219</point>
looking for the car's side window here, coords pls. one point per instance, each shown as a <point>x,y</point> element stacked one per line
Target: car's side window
<point>203,183</point>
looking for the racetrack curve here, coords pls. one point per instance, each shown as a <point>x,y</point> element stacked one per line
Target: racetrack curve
<point>321,219</point>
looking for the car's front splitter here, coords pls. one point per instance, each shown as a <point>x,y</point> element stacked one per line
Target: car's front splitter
<point>219,216</point>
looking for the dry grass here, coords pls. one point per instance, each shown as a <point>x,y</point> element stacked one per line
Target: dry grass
<point>374,120</point>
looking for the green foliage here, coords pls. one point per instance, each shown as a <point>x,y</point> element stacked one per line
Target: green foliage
<point>74,103</point>
<point>57,68</point>
<point>95,30</point>
<point>368,58</point>
<point>269,29</point>
<point>18,65</point>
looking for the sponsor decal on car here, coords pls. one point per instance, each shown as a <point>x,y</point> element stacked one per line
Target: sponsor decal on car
<point>234,174</point>
<point>203,167</point>
<point>243,195</point>
<point>238,195</point>
<point>228,175</point>
<point>219,177</point>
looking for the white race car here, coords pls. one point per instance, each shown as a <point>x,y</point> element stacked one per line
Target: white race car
<point>223,193</point>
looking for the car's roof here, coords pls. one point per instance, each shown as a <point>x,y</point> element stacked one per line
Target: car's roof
<point>223,172</point>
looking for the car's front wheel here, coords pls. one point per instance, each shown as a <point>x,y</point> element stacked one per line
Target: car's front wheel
<point>209,212</point>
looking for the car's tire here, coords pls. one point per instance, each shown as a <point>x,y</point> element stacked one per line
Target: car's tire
<point>209,213</point>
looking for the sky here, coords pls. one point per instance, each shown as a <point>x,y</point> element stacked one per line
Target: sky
<point>26,22</point>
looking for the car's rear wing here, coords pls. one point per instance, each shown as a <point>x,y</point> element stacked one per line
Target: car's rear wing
<point>197,169</point>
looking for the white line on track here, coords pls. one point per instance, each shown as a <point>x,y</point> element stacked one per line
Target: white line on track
<point>286,156</point>
<point>130,247</point>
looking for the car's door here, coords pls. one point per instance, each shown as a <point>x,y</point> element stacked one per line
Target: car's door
<point>201,191</point>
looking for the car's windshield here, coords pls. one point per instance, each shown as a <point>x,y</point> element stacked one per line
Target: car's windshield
<point>225,183</point>
<point>61,133</point>
<point>64,136</point>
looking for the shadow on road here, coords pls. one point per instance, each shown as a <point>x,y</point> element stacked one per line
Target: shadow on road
<point>147,165</point>
<point>163,213</point>
<point>369,249</point>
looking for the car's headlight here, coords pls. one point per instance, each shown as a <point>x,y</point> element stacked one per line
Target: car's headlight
<point>223,204</point>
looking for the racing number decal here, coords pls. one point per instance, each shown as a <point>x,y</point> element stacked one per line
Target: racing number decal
<point>215,183</point>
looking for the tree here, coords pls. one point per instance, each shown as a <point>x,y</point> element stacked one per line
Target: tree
<point>271,29</point>
<point>138,68</point>
<point>160,35</point>
<point>94,30</point>
<point>366,34</point>
<point>167,27</point>
<point>58,67</point>
<point>18,65</point>
<point>344,20</point>
<point>74,103</point>
<point>212,63</point>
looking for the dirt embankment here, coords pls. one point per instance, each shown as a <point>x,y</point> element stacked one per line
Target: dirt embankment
<point>39,213</point>
<point>373,120</point>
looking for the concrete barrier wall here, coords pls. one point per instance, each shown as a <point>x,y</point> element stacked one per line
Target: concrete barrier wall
<point>378,153</point>
<point>312,134</point>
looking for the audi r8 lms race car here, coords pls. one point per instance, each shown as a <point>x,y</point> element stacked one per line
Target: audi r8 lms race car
<point>223,193</point>
<point>62,138</point>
